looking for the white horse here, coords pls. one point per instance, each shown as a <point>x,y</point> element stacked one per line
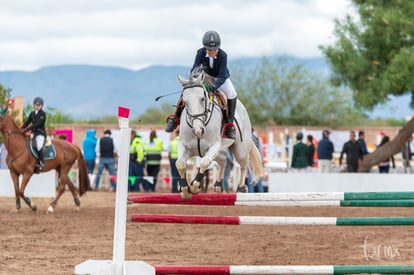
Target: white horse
<point>200,135</point>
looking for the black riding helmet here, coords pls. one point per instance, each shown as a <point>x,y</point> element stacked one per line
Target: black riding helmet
<point>38,101</point>
<point>211,40</point>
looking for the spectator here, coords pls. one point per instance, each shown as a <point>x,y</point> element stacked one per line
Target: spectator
<point>153,153</point>
<point>407,155</point>
<point>325,153</point>
<point>259,185</point>
<point>89,149</point>
<point>172,156</point>
<point>384,166</point>
<point>136,164</point>
<point>300,155</point>
<point>352,149</point>
<point>311,151</point>
<point>361,140</point>
<point>107,152</point>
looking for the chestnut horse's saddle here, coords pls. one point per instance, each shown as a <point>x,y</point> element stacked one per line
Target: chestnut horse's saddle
<point>49,151</point>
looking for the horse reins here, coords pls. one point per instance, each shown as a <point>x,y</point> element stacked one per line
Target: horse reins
<point>9,132</point>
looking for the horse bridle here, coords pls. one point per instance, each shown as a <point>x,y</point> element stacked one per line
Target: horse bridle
<point>9,132</point>
<point>203,116</point>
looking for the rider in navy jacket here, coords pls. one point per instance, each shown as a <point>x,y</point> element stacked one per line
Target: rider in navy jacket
<point>213,60</point>
<point>219,70</point>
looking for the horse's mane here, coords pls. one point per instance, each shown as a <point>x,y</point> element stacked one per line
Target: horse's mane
<point>12,123</point>
<point>195,77</point>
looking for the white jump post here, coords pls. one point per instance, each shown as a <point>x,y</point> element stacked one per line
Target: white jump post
<point>118,265</point>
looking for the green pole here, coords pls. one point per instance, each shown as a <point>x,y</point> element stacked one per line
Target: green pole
<point>385,269</point>
<point>367,221</point>
<point>378,195</point>
<point>377,203</point>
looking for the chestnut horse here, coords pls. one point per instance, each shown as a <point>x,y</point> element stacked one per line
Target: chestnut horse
<point>20,161</point>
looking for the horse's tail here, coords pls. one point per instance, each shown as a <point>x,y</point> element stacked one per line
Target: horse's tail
<point>256,163</point>
<point>83,173</point>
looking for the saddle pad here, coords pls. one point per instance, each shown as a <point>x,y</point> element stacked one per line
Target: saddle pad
<point>49,151</point>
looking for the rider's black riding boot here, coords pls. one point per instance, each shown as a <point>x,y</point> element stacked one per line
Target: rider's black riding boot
<point>40,163</point>
<point>174,119</point>
<point>230,129</point>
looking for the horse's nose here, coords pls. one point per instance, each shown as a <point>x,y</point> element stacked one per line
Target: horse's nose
<point>199,132</point>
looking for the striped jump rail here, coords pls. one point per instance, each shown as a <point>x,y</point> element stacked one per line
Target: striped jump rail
<point>268,220</point>
<point>343,199</point>
<point>277,269</point>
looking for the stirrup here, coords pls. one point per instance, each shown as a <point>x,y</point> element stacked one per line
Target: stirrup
<point>40,165</point>
<point>229,131</point>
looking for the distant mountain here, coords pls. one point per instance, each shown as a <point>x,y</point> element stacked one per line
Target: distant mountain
<point>87,92</point>
<point>93,91</point>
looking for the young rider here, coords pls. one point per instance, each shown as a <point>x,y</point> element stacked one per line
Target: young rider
<point>214,61</point>
<point>37,119</point>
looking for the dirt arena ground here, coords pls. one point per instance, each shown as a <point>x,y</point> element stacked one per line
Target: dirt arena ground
<point>37,243</point>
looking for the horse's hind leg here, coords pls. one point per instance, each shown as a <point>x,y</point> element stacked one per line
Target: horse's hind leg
<point>63,181</point>
<point>59,192</point>
<point>74,194</point>
<point>221,162</point>
<point>242,187</point>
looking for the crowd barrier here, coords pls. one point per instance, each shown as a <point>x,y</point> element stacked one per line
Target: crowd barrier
<point>41,185</point>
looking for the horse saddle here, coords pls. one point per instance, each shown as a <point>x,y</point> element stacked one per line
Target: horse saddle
<point>49,151</point>
<point>221,99</point>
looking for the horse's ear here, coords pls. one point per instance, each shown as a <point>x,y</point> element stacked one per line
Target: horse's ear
<point>202,76</point>
<point>182,80</point>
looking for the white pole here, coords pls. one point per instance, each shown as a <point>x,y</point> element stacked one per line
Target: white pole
<point>118,265</point>
<point>121,194</point>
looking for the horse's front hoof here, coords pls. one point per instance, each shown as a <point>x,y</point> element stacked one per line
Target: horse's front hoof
<point>218,187</point>
<point>50,210</point>
<point>33,207</point>
<point>242,189</point>
<point>185,195</point>
<point>77,209</point>
<point>195,187</point>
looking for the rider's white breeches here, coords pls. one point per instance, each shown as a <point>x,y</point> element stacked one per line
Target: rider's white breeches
<point>39,142</point>
<point>228,89</point>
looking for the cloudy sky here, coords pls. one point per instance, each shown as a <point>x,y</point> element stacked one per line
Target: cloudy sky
<point>135,33</point>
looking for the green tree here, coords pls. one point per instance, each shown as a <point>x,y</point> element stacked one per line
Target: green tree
<point>53,116</point>
<point>280,92</point>
<point>155,115</point>
<point>374,56</point>
<point>5,94</point>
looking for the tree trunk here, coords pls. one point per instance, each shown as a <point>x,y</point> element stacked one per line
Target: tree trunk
<point>391,148</point>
